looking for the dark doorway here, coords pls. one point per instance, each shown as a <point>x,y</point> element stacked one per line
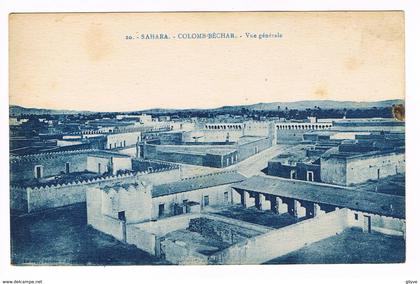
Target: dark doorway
<point>185,205</point>
<point>121,217</point>
<point>206,200</point>
<point>367,224</point>
<point>274,204</point>
<point>67,168</point>
<point>258,202</point>
<point>243,198</point>
<point>161,209</point>
<point>38,172</point>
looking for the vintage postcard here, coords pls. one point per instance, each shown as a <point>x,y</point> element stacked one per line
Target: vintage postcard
<point>198,138</point>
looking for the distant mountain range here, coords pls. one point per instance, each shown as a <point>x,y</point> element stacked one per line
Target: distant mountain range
<point>324,104</point>
<point>300,105</point>
<point>18,111</point>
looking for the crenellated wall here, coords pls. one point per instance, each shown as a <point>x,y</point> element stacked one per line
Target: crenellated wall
<point>212,135</point>
<point>52,195</point>
<point>224,126</point>
<point>57,195</point>
<point>292,132</point>
<point>306,126</point>
<point>135,200</point>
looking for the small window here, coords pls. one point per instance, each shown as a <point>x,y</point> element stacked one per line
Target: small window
<point>99,168</point>
<point>310,176</point>
<point>121,216</point>
<point>226,196</point>
<point>38,172</point>
<point>356,216</point>
<point>67,168</point>
<point>161,209</point>
<point>206,200</point>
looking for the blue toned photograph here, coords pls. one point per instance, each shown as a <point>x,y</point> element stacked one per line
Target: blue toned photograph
<point>207,138</point>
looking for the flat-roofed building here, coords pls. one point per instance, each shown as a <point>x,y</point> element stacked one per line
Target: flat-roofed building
<point>348,168</point>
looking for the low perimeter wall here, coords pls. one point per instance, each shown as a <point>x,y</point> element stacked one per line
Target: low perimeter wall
<point>279,242</point>
<point>267,245</point>
<point>55,196</point>
<point>147,236</point>
<point>143,240</point>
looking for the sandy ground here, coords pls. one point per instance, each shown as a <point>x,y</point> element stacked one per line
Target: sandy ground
<point>351,246</point>
<point>61,237</point>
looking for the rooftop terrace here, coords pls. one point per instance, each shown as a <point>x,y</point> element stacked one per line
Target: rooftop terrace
<point>194,183</point>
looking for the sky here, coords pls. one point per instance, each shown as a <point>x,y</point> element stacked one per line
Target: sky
<point>83,61</point>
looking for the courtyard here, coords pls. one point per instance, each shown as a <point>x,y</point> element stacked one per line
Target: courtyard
<point>255,216</point>
<point>61,236</point>
<point>351,246</point>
